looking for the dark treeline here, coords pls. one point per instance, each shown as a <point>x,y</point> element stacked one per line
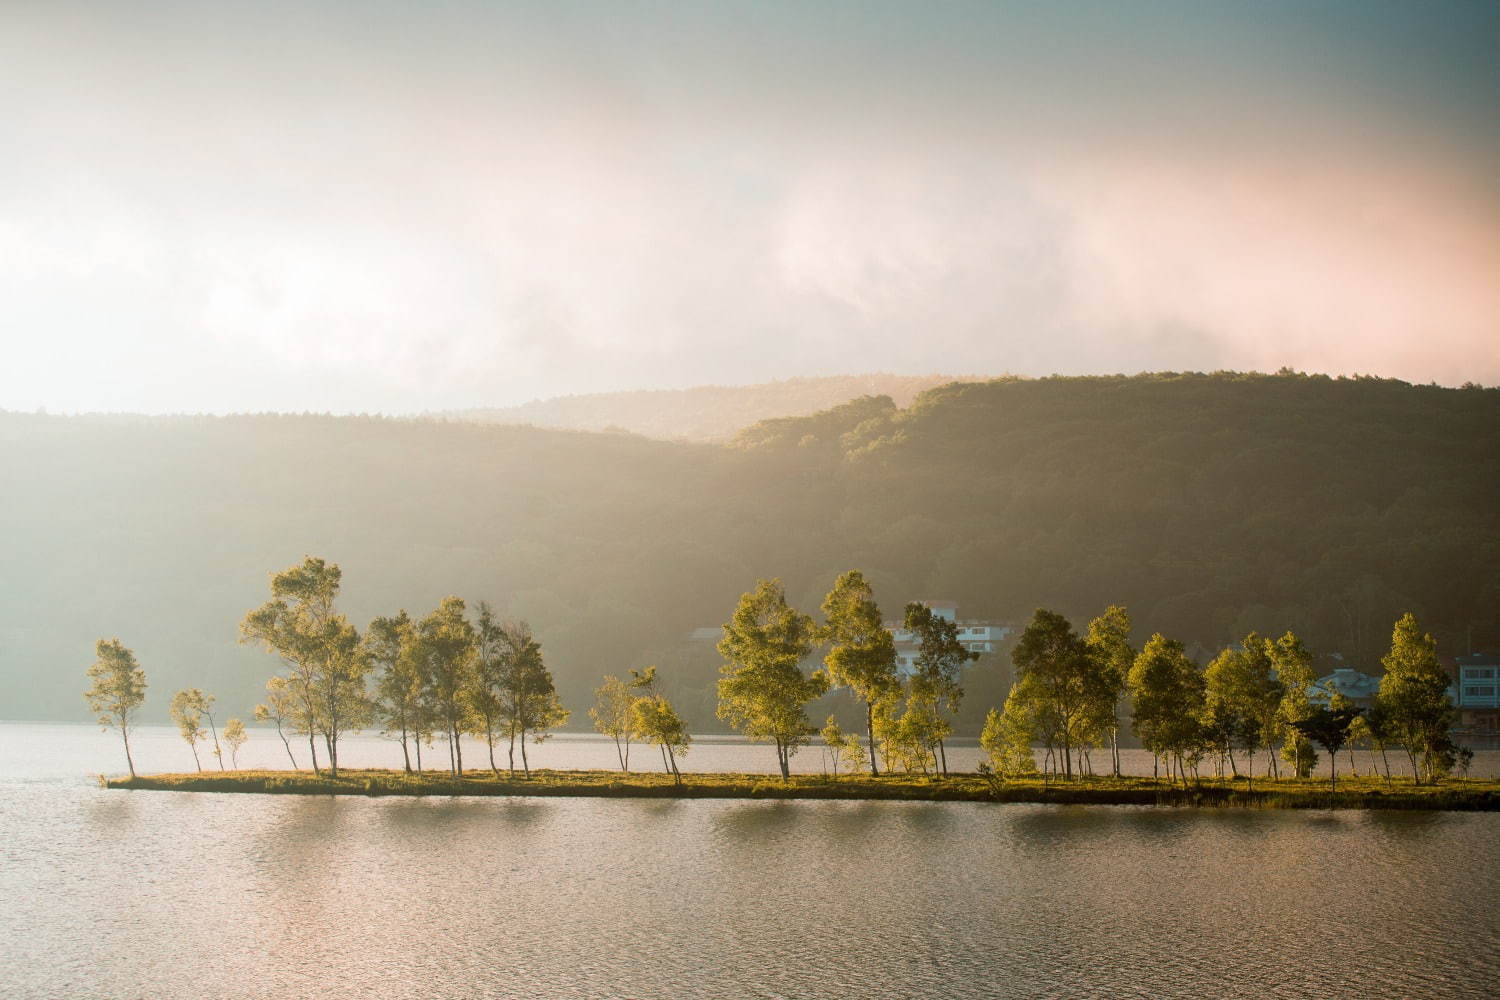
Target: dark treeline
<point>1212,505</point>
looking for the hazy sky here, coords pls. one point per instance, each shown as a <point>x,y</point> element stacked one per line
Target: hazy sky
<point>364,206</point>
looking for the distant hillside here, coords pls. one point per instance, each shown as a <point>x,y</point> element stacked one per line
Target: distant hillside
<point>1208,504</point>
<point>705,413</point>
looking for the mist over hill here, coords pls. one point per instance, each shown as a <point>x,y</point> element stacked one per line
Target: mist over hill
<point>703,413</point>
<point>1208,504</point>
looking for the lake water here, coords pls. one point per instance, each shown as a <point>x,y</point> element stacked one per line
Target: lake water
<point>154,894</point>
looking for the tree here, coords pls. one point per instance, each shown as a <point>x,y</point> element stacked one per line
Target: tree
<point>1007,738</point>
<point>862,653</point>
<point>529,700</point>
<point>301,625</point>
<point>843,747</point>
<point>1293,665</point>
<point>187,711</point>
<point>235,736</point>
<point>1058,671</point>
<point>1241,686</point>
<point>659,724</point>
<point>762,691</point>
<point>612,716</point>
<point>390,648</point>
<point>1330,728</point>
<point>284,709</point>
<point>117,690</point>
<point>491,657</point>
<point>940,663</point>
<point>1413,698</point>
<point>1108,642</point>
<point>1167,695</point>
<point>444,653</point>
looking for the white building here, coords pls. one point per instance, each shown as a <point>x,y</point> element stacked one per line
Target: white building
<point>977,636</point>
<point>1478,691</point>
<point>1359,688</point>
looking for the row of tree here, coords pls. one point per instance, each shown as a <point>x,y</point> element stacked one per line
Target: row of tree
<point>443,675</point>
<point>1259,696</point>
<point>440,675</point>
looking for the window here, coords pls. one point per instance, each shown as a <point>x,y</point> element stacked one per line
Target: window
<point>1479,692</point>
<point>1479,673</point>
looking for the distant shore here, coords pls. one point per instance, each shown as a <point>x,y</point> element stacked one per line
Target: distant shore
<point>1359,793</point>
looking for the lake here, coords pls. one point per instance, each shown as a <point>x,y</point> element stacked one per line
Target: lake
<point>153,894</point>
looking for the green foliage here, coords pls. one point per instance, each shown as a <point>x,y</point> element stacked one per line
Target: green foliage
<point>613,714</point>
<point>235,737</point>
<point>188,708</point>
<point>1167,696</point>
<point>321,650</point>
<point>1008,735</point>
<point>843,748</point>
<point>862,653</point>
<point>117,689</point>
<point>1294,672</point>
<point>1064,682</point>
<point>659,725</point>
<point>444,651</point>
<point>763,692</point>
<point>1415,709</point>
<point>1329,727</point>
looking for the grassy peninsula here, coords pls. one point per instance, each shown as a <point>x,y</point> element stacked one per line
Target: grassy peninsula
<point>1352,793</point>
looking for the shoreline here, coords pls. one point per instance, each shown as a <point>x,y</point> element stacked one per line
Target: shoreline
<point>1466,795</point>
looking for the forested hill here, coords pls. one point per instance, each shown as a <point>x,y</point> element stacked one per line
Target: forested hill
<point>703,413</point>
<point>1209,505</point>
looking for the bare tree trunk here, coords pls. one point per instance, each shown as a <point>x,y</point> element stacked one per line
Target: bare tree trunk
<point>1114,747</point>
<point>458,751</point>
<point>419,753</point>
<point>1067,756</point>
<point>526,764</point>
<point>312,748</point>
<point>194,747</point>
<point>1232,766</point>
<point>125,735</point>
<point>943,753</point>
<point>513,749</point>
<point>489,739</point>
<point>405,756</point>
<point>286,744</point>
<point>870,735</point>
<point>218,751</point>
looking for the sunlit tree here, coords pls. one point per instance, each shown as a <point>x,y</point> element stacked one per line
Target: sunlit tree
<point>612,716</point>
<point>762,691</point>
<point>302,626</point>
<point>116,691</point>
<point>445,654</point>
<point>187,708</point>
<point>862,651</point>
<point>528,695</point>
<point>934,682</point>
<point>1414,703</point>
<point>285,711</point>
<point>235,737</point>
<point>1294,672</point>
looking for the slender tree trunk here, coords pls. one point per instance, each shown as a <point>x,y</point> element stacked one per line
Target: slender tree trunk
<point>870,735</point>
<point>405,755</point>
<point>1387,761</point>
<point>1067,756</point>
<point>218,751</point>
<point>196,762</point>
<point>676,774</point>
<point>627,754</point>
<point>1232,766</point>
<point>458,751</point>
<point>943,753</point>
<point>489,738</point>
<point>419,753</point>
<point>1250,771</point>
<point>526,764</point>
<point>1333,769</point>
<point>312,748</point>
<point>286,744</point>
<point>512,749</point>
<point>125,735</point>
<point>1114,747</point>
<point>619,753</point>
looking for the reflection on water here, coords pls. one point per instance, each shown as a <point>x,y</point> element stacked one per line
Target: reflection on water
<point>135,894</point>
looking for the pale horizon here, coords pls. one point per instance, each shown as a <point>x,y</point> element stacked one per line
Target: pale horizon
<point>311,207</point>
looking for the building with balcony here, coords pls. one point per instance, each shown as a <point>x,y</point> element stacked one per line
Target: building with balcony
<point>977,636</point>
<point>1478,691</point>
